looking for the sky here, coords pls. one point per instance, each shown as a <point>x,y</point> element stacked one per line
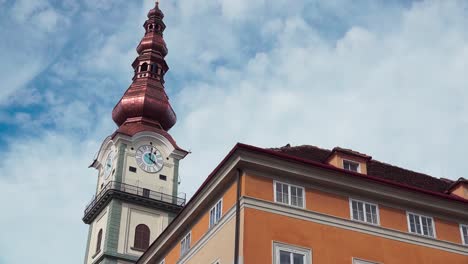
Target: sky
<point>386,78</point>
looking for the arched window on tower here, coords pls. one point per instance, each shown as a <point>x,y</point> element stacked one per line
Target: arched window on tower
<point>142,237</point>
<point>155,68</point>
<point>144,67</point>
<point>98,242</point>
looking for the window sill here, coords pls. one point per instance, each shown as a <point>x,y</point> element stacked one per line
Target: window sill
<point>290,205</point>
<point>138,249</point>
<point>364,222</point>
<point>421,235</point>
<point>95,254</point>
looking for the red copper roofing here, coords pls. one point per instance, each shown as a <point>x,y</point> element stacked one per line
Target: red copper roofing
<point>146,97</point>
<point>132,128</point>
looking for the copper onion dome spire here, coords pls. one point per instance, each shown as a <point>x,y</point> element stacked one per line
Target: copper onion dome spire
<point>145,103</point>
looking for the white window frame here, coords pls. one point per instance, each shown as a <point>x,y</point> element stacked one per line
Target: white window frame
<point>420,223</point>
<point>184,239</point>
<point>289,194</point>
<point>277,246</point>
<point>364,207</point>
<point>352,161</point>
<point>362,261</point>
<point>215,209</point>
<point>464,241</point>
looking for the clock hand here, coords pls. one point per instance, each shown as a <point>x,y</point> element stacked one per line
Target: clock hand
<point>151,158</point>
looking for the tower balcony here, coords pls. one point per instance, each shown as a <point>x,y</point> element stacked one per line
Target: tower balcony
<point>132,194</point>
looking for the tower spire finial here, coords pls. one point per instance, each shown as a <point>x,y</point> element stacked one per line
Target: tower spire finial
<point>146,101</point>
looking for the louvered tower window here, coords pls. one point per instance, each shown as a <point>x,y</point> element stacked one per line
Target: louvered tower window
<point>142,237</point>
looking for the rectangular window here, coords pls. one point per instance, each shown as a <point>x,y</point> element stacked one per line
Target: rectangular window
<point>286,254</point>
<point>364,212</point>
<point>464,234</point>
<point>146,192</point>
<point>163,177</point>
<point>289,194</point>
<point>216,212</point>
<point>421,225</point>
<point>132,169</point>
<point>360,261</point>
<point>351,166</point>
<point>185,244</point>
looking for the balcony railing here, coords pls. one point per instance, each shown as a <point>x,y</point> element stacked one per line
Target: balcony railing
<point>138,191</point>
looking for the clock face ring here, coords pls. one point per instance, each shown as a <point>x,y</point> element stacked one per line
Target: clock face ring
<point>108,164</point>
<point>149,158</point>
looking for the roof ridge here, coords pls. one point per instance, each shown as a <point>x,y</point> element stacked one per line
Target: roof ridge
<point>305,147</point>
<point>409,170</point>
<point>299,146</point>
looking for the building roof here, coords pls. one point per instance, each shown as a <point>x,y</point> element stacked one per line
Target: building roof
<point>374,168</point>
<point>315,156</point>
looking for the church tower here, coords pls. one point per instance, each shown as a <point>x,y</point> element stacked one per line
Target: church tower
<point>137,196</point>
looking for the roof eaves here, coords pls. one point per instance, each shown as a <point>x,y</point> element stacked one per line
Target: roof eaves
<point>350,173</point>
<point>195,195</point>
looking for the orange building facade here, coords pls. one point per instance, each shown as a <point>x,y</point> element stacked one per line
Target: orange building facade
<point>309,205</point>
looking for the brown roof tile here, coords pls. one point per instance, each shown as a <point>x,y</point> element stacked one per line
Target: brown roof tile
<point>374,168</point>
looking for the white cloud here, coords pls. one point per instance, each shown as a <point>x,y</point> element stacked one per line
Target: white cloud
<point>33,40</point>
<point>46,183</point>
<point>396,95</point>
<point>390,82</point>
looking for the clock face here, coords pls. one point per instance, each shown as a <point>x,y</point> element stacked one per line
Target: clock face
<point>108,164</point>
<point>149,158</point>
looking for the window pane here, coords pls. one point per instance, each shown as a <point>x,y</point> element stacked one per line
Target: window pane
<point>418,224</point>
<point>298,258</point>
<point>430,231</point>
<point>425,230</point>
<point>465,234</point>
<point>412,223</point>
<point>218,212</point>
<point>360,207</point>
<point>211,217</point>
<point>293,191</point>
<point>355,210</point>
<point>279,193</point>
<point>296,196</point>
<point>282,193</point>
<point>368,213</point>
<point>415,225</point>
<point>285,257</point>
<point>351,166</point>
<point>285,193</point>
<point>374,214</point>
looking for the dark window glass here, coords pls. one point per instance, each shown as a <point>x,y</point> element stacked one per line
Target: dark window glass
<point>142,237</point>
<point>351,166</point>
<point>146,192</point>
<point>99,239</point>
<point>285,257</point>
<point>163,177</point>
<point>132,169</point>
<point>298,258</point>
<point>144,67</point>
